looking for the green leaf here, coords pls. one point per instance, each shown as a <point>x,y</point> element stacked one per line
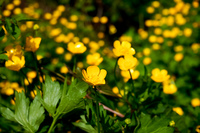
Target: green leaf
<point>7,113</point>
<point>3,57</point>
<point>82,124</point>
<point>51,95</point>
<point>154,125</point>
<point>12,27</point>
<point>2,33</point>
<point>29,117</point>
<point>74,97</point>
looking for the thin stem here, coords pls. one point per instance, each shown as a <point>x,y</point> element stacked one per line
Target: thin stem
<point>74,67</point>
<point>36,67</point>
<point>97,109</point>
<point>53,123</point>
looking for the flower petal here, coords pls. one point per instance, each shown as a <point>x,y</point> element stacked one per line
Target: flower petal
<point>102,74</point>
<point>92,71</point>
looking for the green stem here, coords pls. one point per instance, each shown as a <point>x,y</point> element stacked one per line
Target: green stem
<point>74,67</point>
<point>97,109</point>
<point>132,83</point>
<point>137,122</point>
<point>36,68</point>
<point>53,123</point>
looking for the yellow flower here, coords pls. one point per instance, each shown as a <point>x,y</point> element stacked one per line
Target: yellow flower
<point>126,74</point>
<point>94,59</point>
<point>159,75</point>
<point>60,50</point>
<point>32,44</point>
<point>76,48</point>
<point>147,61</point>
<point>94,76</point>
<point>123,48</point>
<point>10,51</point>
<point>198,129</point>
<point>178,110</point>
<point>169,88</point>
<point>146,51</point>
<point>178,57</point>
<point>195,102</point>
<point>16,63</point>
<point>128,62</point>
<point>64,69</point>
<point>104,20</point>
<point>150,10</point>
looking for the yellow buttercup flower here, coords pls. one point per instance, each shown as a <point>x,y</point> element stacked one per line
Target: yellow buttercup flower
<point>94,76</point>
<point>32,44</point>
<point>94,59</point>
<point>159,75</point>
<point>178,57</point>
<point>128,62</point>
<point>169,88</point>
<point>178,110</point>
<point>195,102</point>
<point>16,63</point>
<point>76,48</point>
<point>126,74</point>
<point>147,61</point>
<point>198,129</point>
<point>123,48</point>
<point>11,51</point>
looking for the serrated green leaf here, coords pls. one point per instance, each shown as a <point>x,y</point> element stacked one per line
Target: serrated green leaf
<point>154,125</point>
<point>51,95</point>
<point>7,113</point>
<point>2,33</point>
<point>29,117</point>
<point>36,114</point>
<point>75,94</point>
<point>84,126</point>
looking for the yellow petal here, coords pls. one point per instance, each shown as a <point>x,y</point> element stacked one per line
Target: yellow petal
<point>102,74</point>
<point>92,71</point>
<point>126,44</point>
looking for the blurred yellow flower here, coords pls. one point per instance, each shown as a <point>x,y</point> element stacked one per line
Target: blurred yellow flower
<point>146,51</point>
<point>187,32</point>
<point>32,44</point>
<point>147,61</point>
<point>127,62</point>
<point>112,29</point>
<point>94,46</point>
<point>195,4</point>
<point>178,57</point>
<point>198,129</point>
<point>155,4</point>
<point>16,63</point>
<point>150,10</point>
<point>61,8</point>
<point>152,39</point>
<point>10,51</point>
<point>195,102</point>
<point>6,13</point>
<point>85,40</point>
<point>104,20</point>
<point>47,16</point>
<point>123,49</point>
<point>17,11</point>
<point>178,48</point>
<point>68,56</point>
<point>55,32</point>
<point>64,69</point>
<point>178,110</point>
<point>155,46</point>
<point>60,50</point>
<point>31,74</point>
<point>126,74</point>
<point>195,47</point>
<point>159,75</point>
<point>16,2</point>
<point>76,48</point>
<point>94,59</point>
<point>73,18</point>
<point>95,19</point>
<point>94,76</point>
<point>169,88</point>
<point>80,64</point>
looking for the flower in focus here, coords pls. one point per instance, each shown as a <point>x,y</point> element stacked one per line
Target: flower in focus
<point>178,110</point>
<point>94,76</point>
<point>32,44</point>
<point>159,75</point>
<point>76,48</point>
<point>94,59</point>
<point>128,62</point>
<point>195,102</point>
<point>16,63</point>
<point>123,48</point>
